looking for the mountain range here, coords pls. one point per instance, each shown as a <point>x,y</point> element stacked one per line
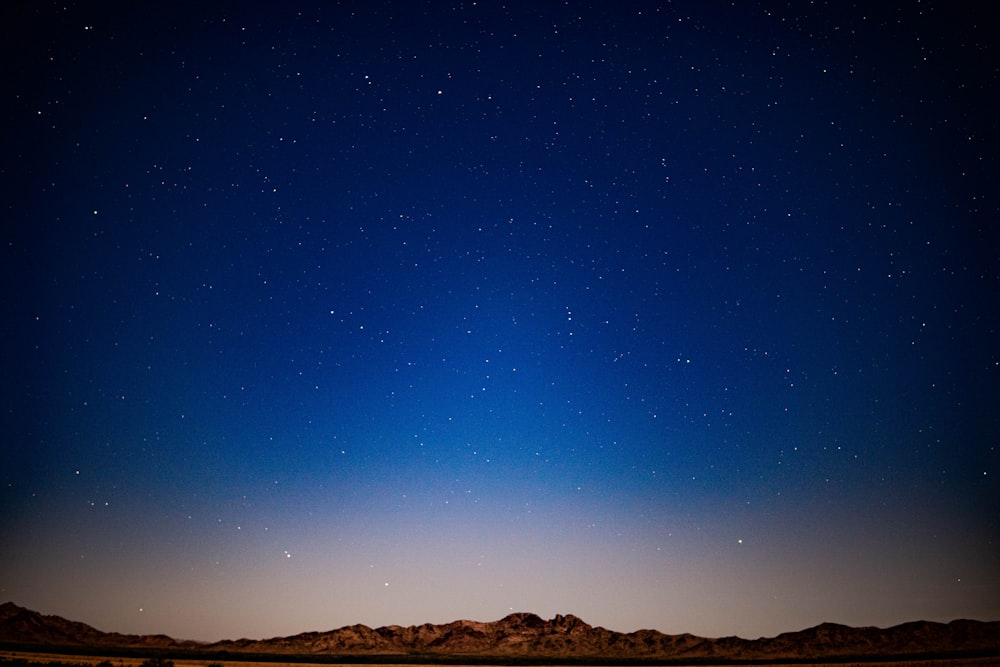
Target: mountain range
<point>523,636</point>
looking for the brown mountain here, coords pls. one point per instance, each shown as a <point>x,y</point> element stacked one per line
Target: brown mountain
<point>525,635</point>
<point>23,626</point>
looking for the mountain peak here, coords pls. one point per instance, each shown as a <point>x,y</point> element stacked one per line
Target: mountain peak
<point>523,618</point>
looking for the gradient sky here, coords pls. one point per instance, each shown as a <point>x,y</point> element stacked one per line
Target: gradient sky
<point>667,315</point>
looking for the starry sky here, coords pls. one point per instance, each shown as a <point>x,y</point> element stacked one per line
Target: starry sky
<point>667,315</point>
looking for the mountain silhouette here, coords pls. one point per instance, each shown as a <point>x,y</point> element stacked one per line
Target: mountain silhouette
<point>522,636</point>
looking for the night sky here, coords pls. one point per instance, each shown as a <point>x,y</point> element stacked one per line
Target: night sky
<point>668,315</point>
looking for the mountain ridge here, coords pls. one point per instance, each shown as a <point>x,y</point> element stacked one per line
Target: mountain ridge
<point>527,635</point>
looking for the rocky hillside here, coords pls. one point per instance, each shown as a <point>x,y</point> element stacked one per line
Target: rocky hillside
<point>24,626</point>
<point>525,635</point>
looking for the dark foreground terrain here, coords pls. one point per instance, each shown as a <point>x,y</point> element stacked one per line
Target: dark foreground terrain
<point>518,639</point>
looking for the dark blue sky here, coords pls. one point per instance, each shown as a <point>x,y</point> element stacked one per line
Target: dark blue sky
<point>673,315</point>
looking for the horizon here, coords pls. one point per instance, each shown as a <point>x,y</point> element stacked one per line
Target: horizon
<point>672,315</point>
<point>498,620</point>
